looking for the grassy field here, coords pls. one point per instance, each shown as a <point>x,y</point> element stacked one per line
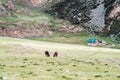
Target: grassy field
<point>22,59</point>
<point>74,38</point>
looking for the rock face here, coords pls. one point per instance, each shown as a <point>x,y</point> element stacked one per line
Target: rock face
<point>112,27</point>
<point>97,16</point>
<point>88,13</point>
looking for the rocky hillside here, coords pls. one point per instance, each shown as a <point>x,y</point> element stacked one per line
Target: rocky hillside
<point>18,21</point>
<point>112,19</point>
<point>101,17</point>
<point>83,12</point>
<point>97,16</point>
<point>19,18</point>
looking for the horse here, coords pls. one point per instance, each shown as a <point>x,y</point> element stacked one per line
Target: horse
<point>55,54</point>
<point>47,54</point>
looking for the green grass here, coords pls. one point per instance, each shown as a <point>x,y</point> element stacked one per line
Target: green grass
<point>70,38</point>
<point>22,59</point>
<point>73,38</point>
<point>41,18</point>
<point>30,19</point>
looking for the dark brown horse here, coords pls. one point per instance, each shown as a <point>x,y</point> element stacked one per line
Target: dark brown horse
<point>47,54</point>
<point>55,54</point>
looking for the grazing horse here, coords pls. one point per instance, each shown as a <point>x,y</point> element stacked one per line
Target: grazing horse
<point>47,54</point>
<point>55,54</point>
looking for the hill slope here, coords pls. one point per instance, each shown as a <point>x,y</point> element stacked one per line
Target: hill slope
<point>97,16</point>
<point>19,21</point>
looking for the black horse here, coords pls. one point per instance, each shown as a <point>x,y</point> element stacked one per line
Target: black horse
<point>47,54</point>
